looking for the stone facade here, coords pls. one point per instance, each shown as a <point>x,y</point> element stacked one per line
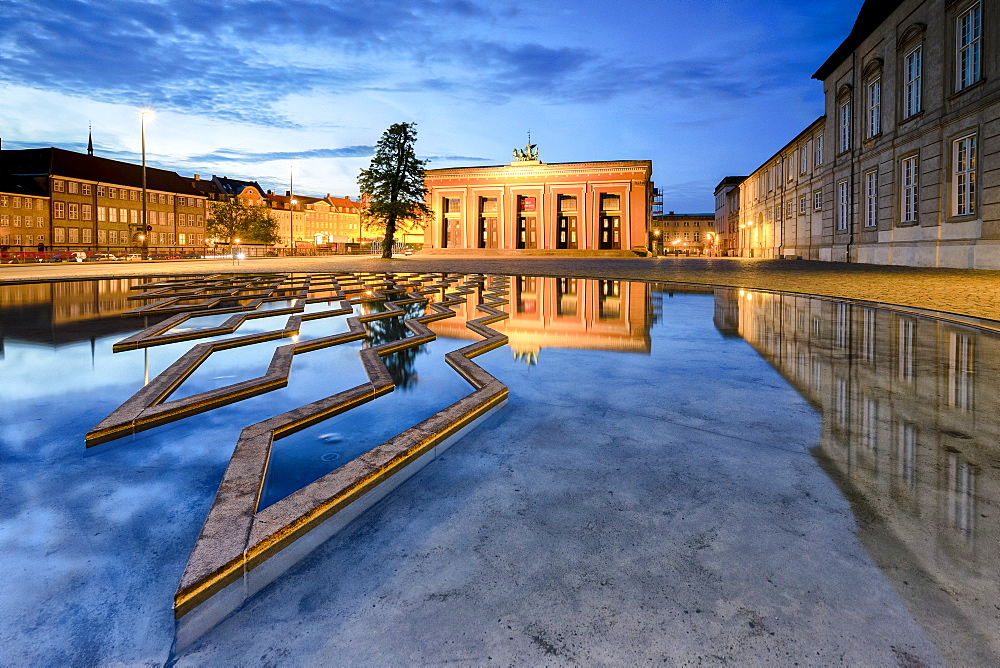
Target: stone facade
<point>683,234</point>
<point>530,206</point>
<point>901,169</point>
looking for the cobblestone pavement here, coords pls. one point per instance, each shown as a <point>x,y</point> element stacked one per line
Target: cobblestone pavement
<point>967,292</point>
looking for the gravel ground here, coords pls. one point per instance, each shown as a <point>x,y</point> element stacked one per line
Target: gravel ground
<point>968,292</point>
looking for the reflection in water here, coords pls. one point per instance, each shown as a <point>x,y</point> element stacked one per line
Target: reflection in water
<point>65,312</point>
<point>910,432</point>
<point>399,364</point>
<point>566,313</point>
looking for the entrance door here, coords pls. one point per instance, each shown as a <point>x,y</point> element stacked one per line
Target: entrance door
<point>609,235</point>
<point>487,232</point>
<point>527,232</point>
<point>452,233</point>
<point>566,232</point>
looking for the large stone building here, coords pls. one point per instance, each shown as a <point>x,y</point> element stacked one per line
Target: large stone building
<point>96,203</point>
<point>528,205</point>
<point>24,213</point>
<point>683,234</point>
<point>900,168</point>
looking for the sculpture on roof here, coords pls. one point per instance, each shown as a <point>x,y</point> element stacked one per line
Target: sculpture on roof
<point>529,152</point>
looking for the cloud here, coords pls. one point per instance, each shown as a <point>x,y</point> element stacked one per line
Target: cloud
<point>237,155</point>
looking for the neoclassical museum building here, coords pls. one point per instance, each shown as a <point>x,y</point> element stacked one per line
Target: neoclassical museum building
<point>530,207</point>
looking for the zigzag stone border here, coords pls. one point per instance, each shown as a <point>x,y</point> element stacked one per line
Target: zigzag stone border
<point>240,550</point>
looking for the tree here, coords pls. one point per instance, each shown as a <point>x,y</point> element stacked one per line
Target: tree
<point>393,185</point>
<point>234,219</point>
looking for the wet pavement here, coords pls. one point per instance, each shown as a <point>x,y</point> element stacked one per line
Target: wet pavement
<point>713,476</point>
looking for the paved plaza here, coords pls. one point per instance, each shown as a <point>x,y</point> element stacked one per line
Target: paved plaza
<point>967,292</point>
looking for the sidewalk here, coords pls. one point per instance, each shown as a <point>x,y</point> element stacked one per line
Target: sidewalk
<point>967,292</point>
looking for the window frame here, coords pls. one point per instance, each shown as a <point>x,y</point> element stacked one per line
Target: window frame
<point>843,205</point>
<point>913,87</point>
<point>909,190</point>
<point>870,179</point>
<point>873,104</point>
<point>974,44</point>
<point>971,180</point>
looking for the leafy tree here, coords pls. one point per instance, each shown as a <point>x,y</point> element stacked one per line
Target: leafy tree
<point>394,185</point>
<point>233,218</point>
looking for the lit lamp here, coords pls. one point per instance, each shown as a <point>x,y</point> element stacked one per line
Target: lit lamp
<point>145,214</point>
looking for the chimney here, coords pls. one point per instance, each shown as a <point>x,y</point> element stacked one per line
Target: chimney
<point>288,193</point>
<point>671,213</point>
<point>197,177</point>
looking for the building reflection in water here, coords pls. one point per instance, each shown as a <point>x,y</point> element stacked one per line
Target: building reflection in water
<point>547,312</point>
<point>910,433</point>
<point>66,312</point>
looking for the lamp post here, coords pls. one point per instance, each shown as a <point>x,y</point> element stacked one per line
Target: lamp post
<point>291,215</point>
<point>144,237</point>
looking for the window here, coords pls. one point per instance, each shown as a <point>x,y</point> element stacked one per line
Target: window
<point>912,67</point>
<point>908,168</point>
<point>102,191</point>
<point>697,236</point>
<point>59,209</point>
<point>804,159</point>
<point>39,205</point>
<point>182,238</point>
<point>112,215</point>
<point>843,205</point>
<point>871,198</point>
<point>16,202</point>
<point>873,98</point>
<point>85,189</point>
<point>58,186</point>
<point>74,187</point>
<point>964,178</point>
<point>102,236</point>
<point>803,204</point>
<point>4,200</point>
<point>969,36</point>
<point>112,193</point>
<point>133,216</point>
<point>102,214</point>
<point>113,237</point>
<point>17,221</point>
<point>133,195</point>
<point>818,200</point>
<point>74,235</point>
<point>163,199</point>
<point>844,117</point>
<point>819,151</point>
<point>29,221</point>
<point>86,211</point>
<point>74,211</point>
<point>86,235</point>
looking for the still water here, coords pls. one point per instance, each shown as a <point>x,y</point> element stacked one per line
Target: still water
<point>889,414</point>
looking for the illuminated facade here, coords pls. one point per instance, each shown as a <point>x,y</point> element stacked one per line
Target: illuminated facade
<point>683,233</point>
<point>530,206</point>
<point>897,170</point>
<point>24,213</point>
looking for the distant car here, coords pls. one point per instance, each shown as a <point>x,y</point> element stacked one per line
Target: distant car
<point>191,256</point>
<point>408,251</point>
<point>133,256</point>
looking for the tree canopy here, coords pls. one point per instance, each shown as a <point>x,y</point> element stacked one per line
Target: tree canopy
<point>234,219</point>
<point>393,185</point>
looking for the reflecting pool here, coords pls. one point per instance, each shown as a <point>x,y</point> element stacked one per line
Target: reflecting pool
<point>678,473</point>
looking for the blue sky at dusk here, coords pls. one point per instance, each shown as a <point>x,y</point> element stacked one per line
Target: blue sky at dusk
<point>704,88</point>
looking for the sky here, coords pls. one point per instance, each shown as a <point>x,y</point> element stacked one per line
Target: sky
<point>271,89</point>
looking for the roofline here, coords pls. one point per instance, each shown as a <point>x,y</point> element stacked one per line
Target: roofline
<point>872,14</point>
<point>645,163</point>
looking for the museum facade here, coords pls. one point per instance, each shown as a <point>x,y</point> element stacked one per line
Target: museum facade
<point>529,206</point>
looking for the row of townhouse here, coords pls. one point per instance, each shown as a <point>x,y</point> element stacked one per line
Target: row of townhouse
<point>84,201</point>
<point>307,221</point>
<point>903,166</point>
<point>62,199</point>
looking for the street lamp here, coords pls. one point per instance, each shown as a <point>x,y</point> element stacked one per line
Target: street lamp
<point>145,214</point>
<point>291,215</point>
